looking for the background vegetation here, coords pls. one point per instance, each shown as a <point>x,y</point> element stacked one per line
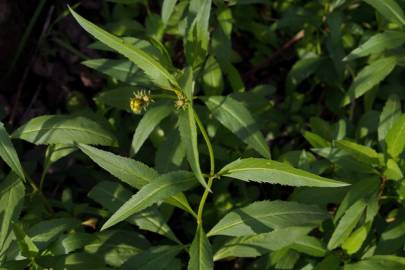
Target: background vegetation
<point>199,134</point>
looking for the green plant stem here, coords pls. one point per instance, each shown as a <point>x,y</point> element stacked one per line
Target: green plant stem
<point>208,142</point>
<point>40,194</point>
<point>203,200</point>
<point>212,168</point>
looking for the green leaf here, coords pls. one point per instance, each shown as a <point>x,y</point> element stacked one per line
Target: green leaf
<point>12,194</point>
<point>378,262</point>
<point>122,70</point>
<point>114,247</point>
<point>354,242</point>
<point>234,116</point>
<point>257,245</point>
<point>8,153</point>
<point>270,171</point>
<point>389,9</point>
<point>360,152</point>
<point>369,77</point>
<point>261,217</point>
<point>158,74</point>
<point>170,154</point>
<point>393,171</point>
<point>301,70</point>
<point>70,242</point>
<point>347,224</point>
<point>116,98</point>
<point>159,189</point>
<point>112,195</point>
<point>155,258</point>
<point>148,123</point>
<point>188,134</point>
<point>197,37</point>
<point>212,77</point>
<point>390,113</point>
<point>26,245</point>
<point>201,257</point>
<point>61,129</point>
<point>377,44</point>
<point>167,9</point>
<point>309,245</point>
<point>134,173</point>
<point>395,138</point>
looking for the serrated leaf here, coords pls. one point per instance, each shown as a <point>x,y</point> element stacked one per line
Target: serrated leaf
<point>63,129</point>
<point>158,74</point>
<point>212,77</point>
<point>8,153</point>
<point>389,9</point>
<point>188,134</point>
<point>235,117</point>
<point>130,171</point>
<point>360,152</point>
<point>264,216</point>
<point>395,138</point>
<point>112,195</point>
<point>378,262</point>
<point>369,77</point>
<point>270,171</point>
<point>377,44</point>
<point>390,113</point>
<point>12,193</point>
<point>155,258</point>
<point>347,224</point>
<point>257,245</point>
<point>201,257</point>
<point>159,189</point>
<point>122,70</point>
<point>309,245</point>
<point>148,123</point>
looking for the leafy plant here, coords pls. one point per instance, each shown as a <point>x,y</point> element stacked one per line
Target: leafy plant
<point>197,187</point>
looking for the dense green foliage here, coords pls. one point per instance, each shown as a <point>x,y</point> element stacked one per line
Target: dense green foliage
<point>240,134</point>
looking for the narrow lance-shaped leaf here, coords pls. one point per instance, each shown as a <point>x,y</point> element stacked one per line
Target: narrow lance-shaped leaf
<point>377,44</point>
<point>167,10</point>
<point>389,9</point>
<point>8,153</point>
<point>148,123</point>
<point>234,116</point>
<point>389,115</point>
<point>62,129</point>
<point>130,171</point>
<point>395,138</point>
<point>188,127</point>
<point>369,77</point>
<point>201,257</point>
<point>264,216</point>
<point>112,195</point>
<point>160,76</point>
<point>270,171</point>
<point>159,189</point>
<point>257,245</point>
<point>378,262</point>
<point>12,193</point>
<point>155,258</point>
<point>347,224</point>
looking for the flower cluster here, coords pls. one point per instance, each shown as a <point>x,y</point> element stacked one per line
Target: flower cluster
<point>141,100</point>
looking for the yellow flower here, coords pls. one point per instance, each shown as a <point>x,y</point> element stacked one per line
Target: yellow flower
<point>141,100</point>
